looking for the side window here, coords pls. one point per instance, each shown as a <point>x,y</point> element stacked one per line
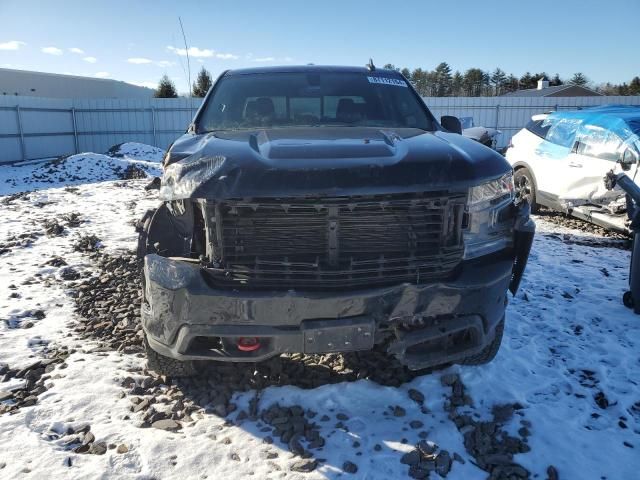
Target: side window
<point>598,142</point>
<point>561,131</point>
<point>535,127</point>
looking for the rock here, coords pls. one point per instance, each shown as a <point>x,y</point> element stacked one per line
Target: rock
<point>295,446</point>
<point>425,448</point>
<point>502,413</point>
<point>415,424</point>
<point>350,467</point>
<point>601,400</point>
<point>417,472</point>
<point>166,424</point>
<point>122,448</point>
<point>458,458</point>
<point>88,438</point>
<point>5,395</point>
<point>82,449</point>
<point>552,473</point>
<point>416,396</point>
<point>443,463</point>
<point>399,411</point>
<point>449,379</point>
<point>29,401</point>
<point>342,417</point>
<point>304,466</point>
<point>98,448</point>
<point>411,458</point>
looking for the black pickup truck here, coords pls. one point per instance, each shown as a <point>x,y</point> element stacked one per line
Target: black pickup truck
<point>324,209</point>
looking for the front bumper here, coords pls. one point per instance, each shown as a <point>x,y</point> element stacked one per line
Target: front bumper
<point>182,314</point>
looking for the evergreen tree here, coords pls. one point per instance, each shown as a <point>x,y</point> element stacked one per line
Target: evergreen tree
<point>406,72</point>
<point>579,79</point>
<point>528,81</point>
<point>202,84</point>
<point>634,86</point>
<point>556,81</point>
<point>420,82</point>
<point>166,88</point>
<point>498,79</point>
<point>474,80</point>
<point>457,84</point>
<point>511,84</point>
<point>442,80</point>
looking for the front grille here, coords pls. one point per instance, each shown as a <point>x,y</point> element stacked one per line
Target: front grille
<point>337,242</point>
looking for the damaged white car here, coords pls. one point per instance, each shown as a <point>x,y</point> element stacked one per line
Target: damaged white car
<point>560,160</point>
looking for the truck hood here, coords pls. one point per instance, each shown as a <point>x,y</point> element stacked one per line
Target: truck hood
<point>324,161</point>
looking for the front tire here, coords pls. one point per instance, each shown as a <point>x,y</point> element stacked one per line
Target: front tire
<point>168,366</point>
<point>526,187</point>
<point>490,351</point>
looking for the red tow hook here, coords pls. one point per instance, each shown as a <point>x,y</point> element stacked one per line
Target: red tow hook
<point>248,344</point>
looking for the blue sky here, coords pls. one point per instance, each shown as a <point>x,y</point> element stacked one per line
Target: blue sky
<point>139,40</point>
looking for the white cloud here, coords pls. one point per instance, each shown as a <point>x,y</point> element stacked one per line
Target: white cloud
<point>264,59</point>
<point>90,59</point>
<point>11,45</point>
<point>165,63</point>
<point>287,59</point>
<point>77,50</point>
<point>193,52</point>
<point>202,53</point>
<point>51,51</point>
<point>139,60</point>
<point>147,84</point>
<point>226,56</point>
<point>102,74</point>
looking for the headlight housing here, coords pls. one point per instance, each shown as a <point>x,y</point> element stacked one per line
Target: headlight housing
<point>490,217</point>
<point>491,193</point>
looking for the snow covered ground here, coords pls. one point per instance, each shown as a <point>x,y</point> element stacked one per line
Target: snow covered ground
<point>570,359</point>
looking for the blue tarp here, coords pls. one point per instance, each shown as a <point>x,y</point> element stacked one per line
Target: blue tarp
<point>621,120</point>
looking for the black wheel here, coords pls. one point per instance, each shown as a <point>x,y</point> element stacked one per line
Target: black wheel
<point>489,353</point>
<point>526,187</point>
<point>168,366</point>
<point>627,300</point>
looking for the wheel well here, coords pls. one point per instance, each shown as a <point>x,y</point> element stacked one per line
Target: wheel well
<point>520,166</point>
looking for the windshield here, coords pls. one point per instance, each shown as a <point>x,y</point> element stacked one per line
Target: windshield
<point>272,100</point>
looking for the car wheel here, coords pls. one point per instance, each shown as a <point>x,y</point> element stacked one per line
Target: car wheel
<point>526,187</point>
<point>168,366</point>
<point>489,353</point>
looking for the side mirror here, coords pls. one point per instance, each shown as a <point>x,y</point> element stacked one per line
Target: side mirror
<point>451,124</point>
<point>629,157</point>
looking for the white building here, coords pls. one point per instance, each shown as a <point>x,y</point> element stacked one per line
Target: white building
<point>54,85</point>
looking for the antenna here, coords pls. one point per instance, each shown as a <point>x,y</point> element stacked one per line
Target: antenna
<point>186,49</point>
<point>370,66</point>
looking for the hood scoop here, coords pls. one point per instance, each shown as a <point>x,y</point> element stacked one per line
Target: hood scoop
<point>275,146</point>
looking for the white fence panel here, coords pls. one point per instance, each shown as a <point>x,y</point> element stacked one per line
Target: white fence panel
<point>510,114</point>
<point>32,127</point>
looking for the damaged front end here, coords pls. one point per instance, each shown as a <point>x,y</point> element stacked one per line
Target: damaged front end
<point>425,274</point>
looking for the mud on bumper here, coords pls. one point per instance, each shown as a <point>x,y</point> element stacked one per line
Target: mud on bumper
<point>185,318</point>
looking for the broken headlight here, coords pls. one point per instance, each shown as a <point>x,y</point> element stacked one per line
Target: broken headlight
<point>180,179</point>
<point>489,217</point>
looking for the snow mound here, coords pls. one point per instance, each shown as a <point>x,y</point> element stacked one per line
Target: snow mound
<point>124,161</point>
<point>137,151</point>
